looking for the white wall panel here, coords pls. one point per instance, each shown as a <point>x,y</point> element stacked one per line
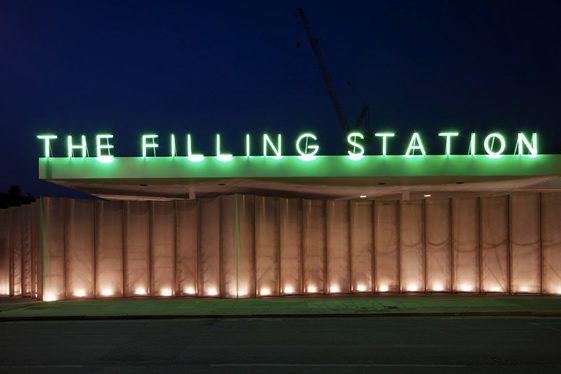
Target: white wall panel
<point>314,250</point>
<point>137,248</point>
<point>551,242</point>
<point>267,245</point>
<point>291,254</point>
<point>187,246</point>
<point>109,248</point>
<point>362,248</point>
<point>438,244</point>
<point>338,262</point>
<point>465,233</point>
<point>494,244</point>
<point>386,237</point>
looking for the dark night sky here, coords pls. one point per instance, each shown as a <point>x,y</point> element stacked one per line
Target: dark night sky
<point>234,67</point>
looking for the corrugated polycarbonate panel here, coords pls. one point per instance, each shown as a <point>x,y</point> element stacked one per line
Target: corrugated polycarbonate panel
<point>187,246</point>
<point>16,251</point>
<point>53,266</point>
<point>244,245</point>
<point>361,242</point>
<point>109,248</point>
<point>494,244</point>
<point>313,240</point>
<point>229,247</point>
<point>465,233</point>
<point>338,264</point>
<point>551,242</point>
<point>525,242</point>
<point>267,245</point>
<point>163,248</point>
<point>291,254</point>
<point>137,248</point>
<point>4,253</point>
<point>386,237</point>
<point>412,246</point>
<point>438,244</point>
<point>209,260</point>
<point>80,248</point>
<point>25,218</point>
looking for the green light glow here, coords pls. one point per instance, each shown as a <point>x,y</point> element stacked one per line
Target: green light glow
<point>472,149</point>
<point>523,142</point>
<point>152,144</point>
<point>224,157</point>
<point>193,157</point>
<point>448,136</point>
<point>173,149</point>
<point>268,143</point>
<point>415,144</point>
<point>47,143</point>
<point>304,154</point>
<point>351,139</point>
<point>385,136</point>
<point>489,143</point>
<point>71,147</point>
<point>101,157</point>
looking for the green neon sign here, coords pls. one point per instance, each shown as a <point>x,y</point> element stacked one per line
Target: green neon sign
<point>306,146</point>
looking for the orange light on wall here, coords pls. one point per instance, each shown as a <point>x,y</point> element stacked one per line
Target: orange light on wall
<point>166,292</point>
<point>361,287</point>
<point>288,290</point>
<point>189,290</point>
<point>265,291</point>
<point>106,292</point>
<point>79,293</point>
<point>383,288</point>
<point>140,291</point>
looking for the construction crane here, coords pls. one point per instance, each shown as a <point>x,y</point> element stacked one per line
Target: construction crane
<point>314,44</point>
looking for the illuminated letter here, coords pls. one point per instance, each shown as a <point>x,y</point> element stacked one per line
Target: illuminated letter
<point>351,139</point>
<point>47,139</point>
<point>172,145</point>
<point>190,155</point>
<point>267,142</point>
<point>448,136</point>
<point>385,136</point>
<point>471,149</point>
<point>100,147</point>
<point>247,145</point>
<point>304,155</point>
<point>152,144</point>
<point>415,144</point>
<point>71,147</point>
<point>532,147</point>
<point>489,147</point>
<point>225,157</point>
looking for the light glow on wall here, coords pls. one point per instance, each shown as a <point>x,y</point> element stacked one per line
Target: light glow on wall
<point>265,291</point>
<point>189,290</point>
<point>50,297</point>
<point>412,287</point>
<point>495,289</point>
<point>166,292</point>
<point>79,293</point>
<point>438,287</point>
<point>383,288</point>
<point>466,287</point>
<point>361,287</point>
<point>288,290</point>
<point>212,291</point>
<point>311,289</point>
<point>140,291</point>
<point>107,292</point>
<point>334,288</point>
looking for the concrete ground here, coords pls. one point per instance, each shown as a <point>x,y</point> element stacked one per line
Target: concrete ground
<point>281,345</point>
<point>391,305</point>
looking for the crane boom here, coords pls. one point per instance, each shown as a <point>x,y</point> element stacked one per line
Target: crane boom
<point>323,69</point>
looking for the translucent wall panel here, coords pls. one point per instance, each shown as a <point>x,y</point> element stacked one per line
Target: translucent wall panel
<point>209,260</point>
<point>35,249</point>
<point>313,240</point>
<point>80,248</point>
<point>15,240</point>
<point>525,242</point>
<point>53,265</point>
<point>229,247</point>
<point>551,242</point>
<point>338,262</point>
<point>4,253</point>
<point>465,233</point>
<point>244,245</point>
<point>291,254</point>
<point>163,248</point>
<point>412,246</point>
<point>25,222</point>
<point>494,244</point>
<point>187,246</point>
<point>386,237</point>
<point>137,248</point>
<point>361,243</point>
<point>267,243</point>
<point>109,248</point>
<point>438,245</point>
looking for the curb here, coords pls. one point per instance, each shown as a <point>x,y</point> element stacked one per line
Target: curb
<point>277,316</point>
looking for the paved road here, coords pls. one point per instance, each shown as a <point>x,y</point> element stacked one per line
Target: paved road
<point>302,345</point>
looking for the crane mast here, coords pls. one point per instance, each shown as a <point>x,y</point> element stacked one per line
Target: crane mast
<point>314,44</point>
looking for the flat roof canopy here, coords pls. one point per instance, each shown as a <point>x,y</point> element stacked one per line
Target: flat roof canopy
<point>323,176</point>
